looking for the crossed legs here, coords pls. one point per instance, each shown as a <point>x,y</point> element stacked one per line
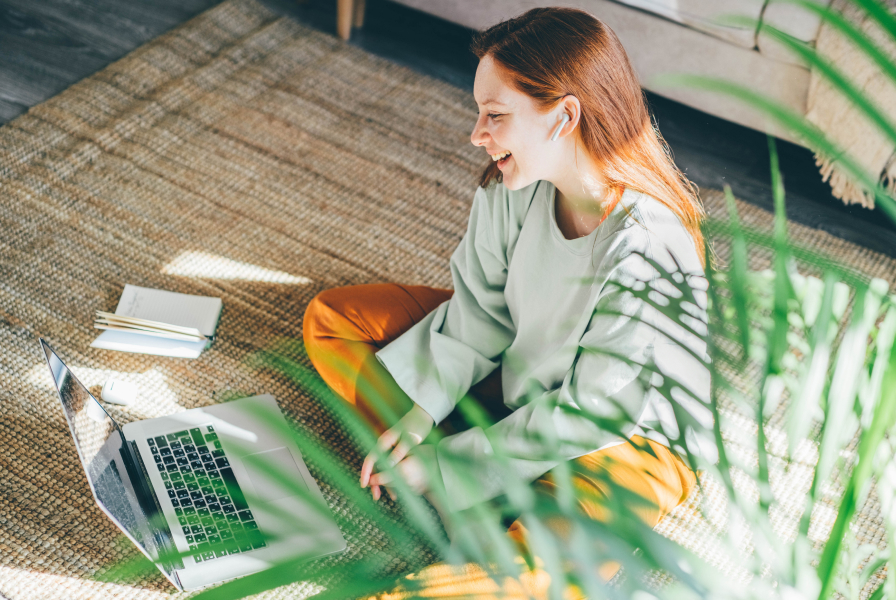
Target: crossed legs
<point>343,329</point>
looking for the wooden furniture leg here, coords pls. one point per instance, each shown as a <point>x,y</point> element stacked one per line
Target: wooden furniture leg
<point>359,13</point>
<point>344,14</point>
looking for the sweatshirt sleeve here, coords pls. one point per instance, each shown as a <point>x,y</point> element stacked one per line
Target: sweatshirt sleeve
<point>457,345</point>
<point>596,383</point>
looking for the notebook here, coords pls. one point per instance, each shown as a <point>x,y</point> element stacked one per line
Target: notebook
<point>159,322</point>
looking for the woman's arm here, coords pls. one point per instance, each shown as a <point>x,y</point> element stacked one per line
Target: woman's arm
<point>610,378</point>
<point>455,346</point>
<point>458,344</point>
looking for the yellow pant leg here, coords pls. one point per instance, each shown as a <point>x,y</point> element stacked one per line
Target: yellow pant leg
<point>663,481</point>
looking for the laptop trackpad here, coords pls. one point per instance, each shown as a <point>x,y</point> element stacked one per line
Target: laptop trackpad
<point>285,480</point>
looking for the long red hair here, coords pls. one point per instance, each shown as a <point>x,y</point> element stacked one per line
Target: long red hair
<point>554,51</point>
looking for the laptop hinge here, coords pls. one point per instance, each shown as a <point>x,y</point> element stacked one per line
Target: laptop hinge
<point>177,582</point>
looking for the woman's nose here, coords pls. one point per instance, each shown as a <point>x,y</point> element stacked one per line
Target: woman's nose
<point>477,138</point>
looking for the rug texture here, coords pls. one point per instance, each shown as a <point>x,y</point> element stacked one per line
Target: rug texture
<point>251,158</point>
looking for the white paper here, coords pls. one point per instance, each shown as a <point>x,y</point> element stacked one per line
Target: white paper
<point>185,310</point>
<point>145,344</point>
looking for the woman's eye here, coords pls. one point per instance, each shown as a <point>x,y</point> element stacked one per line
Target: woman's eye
<point>493,115</point>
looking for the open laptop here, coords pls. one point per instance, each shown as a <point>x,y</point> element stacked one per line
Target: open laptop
<point>207,494</point>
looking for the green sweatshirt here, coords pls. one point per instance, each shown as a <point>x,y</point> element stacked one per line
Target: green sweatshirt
<point>534,303</point>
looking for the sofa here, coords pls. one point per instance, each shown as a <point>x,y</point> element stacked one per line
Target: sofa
<point>672,36</point>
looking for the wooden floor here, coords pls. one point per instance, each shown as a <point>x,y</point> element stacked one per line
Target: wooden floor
<point>47,45</point>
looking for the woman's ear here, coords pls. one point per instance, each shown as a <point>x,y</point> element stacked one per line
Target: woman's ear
<point>573,108</point>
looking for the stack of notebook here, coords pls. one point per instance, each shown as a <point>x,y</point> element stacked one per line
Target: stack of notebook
<point>158,322</point>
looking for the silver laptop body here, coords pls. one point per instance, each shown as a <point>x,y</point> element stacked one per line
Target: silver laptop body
<point>207,494</point>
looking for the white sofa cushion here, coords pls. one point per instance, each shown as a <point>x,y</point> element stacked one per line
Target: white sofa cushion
<point>791,19</point>
<point>700,15</point>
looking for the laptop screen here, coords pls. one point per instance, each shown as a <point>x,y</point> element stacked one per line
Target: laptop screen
<point>110,465</point>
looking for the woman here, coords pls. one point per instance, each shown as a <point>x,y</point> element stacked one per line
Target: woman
<point>580,190</point>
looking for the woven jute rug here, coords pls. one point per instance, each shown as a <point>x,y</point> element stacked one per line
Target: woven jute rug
<point>242,156</point>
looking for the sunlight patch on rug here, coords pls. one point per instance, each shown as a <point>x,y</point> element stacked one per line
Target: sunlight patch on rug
<point>211,266</point>
<point>155,398</point>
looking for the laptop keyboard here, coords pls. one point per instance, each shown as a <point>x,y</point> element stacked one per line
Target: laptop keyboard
<point>207,499</point>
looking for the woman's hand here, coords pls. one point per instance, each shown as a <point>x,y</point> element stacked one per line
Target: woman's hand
<point>410,430</point>
<point>416,469</point>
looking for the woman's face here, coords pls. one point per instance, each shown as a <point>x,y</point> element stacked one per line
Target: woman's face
<point>509,121</point>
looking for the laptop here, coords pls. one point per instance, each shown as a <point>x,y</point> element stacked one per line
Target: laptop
<point>207,494</point>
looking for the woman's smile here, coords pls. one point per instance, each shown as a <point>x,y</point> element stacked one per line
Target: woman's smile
<point>503,162</point>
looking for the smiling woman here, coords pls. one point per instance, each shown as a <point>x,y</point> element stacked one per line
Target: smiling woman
<point>545,64</point>
<point>580,203</point>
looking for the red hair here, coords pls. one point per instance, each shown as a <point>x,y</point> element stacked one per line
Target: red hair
<point>548,53</point>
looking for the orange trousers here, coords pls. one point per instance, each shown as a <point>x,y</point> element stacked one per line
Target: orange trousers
<point>343,328</point>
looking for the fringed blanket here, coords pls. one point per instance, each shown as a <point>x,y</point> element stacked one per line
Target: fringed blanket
<point>843,123</point>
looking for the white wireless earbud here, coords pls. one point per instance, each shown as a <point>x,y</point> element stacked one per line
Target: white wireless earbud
<point>563,121</point>
<point>119,392</point>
